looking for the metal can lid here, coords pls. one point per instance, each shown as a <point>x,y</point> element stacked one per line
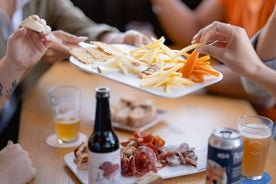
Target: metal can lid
<point>227,133</point>
<point>225,138</point>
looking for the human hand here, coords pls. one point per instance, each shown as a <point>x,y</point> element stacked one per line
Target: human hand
<point>61,44</point>
<point>229,44</point>
<point>25,47</point>
<point>143,27</point>
<point>16,166</point>
<point>130,37</point>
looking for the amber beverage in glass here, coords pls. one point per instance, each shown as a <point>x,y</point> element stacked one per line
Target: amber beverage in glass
<point>256,134</point>
<point>65,104</point>
<point>67,130</point>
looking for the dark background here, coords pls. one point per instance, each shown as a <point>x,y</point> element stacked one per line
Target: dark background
<point>119,13</point>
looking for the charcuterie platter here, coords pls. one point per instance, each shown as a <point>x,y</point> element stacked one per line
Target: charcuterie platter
<point>158,156</point>
<point>165,173</point>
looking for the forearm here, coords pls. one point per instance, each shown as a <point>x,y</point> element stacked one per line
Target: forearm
<point>177,20</point>
<point>266,45</point>
<point>229,86</point>
<point>82,25</point>
<point>264,77</point>
<point>9,79</point>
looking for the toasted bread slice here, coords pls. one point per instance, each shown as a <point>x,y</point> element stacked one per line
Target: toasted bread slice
<point>83,56</point>
<point>110,49</point>
<point>97,53</point>
<point>32,24</point>
<point>150,178</point>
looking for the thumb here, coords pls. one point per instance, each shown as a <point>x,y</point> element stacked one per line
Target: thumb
<point>70,38</point>
<point>20,32</point>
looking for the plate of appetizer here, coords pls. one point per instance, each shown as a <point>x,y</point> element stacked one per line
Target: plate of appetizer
<point>131,114</point>
<point>171,160</point>
<point>153,68</point>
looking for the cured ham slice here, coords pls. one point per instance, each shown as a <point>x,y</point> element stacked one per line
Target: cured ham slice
<point>144,161</point>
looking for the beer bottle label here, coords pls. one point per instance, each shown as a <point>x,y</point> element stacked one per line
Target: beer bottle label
<point>104,168</point>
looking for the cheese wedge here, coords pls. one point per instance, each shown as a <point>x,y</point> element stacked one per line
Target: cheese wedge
<point>32,24</point>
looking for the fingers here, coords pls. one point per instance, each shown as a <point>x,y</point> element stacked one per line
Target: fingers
<point>10,143</point>
<point>216,31</point>
<point>35,17</point>
<point>47,40</point>
<point>61,47</point>
<point>216,37</point>
<point>135,38</point>
<point>68,38</point>
<point>33,24</point>
<point>56,52</point>
<point>20,32</point>
<point>47,29</point>
<point>211,50</point>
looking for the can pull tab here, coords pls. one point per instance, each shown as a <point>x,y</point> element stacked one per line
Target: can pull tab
<point>226,133</point>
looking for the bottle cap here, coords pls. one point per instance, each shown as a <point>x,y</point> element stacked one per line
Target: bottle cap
<point>102,92</point>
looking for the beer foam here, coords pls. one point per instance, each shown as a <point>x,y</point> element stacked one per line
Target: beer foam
<point>255,131</point>
<point>67,120</point>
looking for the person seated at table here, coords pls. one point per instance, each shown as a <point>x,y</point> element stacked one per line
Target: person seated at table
<point>233,43</point>
<point>67,21</point>
<point>263,103</point>
<point>62,15</point>
<point>24,49</point>
<point>183,23</point>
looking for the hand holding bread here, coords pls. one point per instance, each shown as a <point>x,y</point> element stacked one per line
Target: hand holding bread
<point>26,47</point>
<point>34,23</point>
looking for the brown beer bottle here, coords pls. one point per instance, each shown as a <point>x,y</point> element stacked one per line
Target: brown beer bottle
<point>103,145</point>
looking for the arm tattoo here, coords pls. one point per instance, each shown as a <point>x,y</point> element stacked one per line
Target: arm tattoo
<point>11,89</point>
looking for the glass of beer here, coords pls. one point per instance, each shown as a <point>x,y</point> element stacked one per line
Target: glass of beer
<point>65,105</point>
<point>256,134</point>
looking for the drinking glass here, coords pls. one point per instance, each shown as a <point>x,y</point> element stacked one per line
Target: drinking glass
<point>65,105</point>
<point>256,133</point>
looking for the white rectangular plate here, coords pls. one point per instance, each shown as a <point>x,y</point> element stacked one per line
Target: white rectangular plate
<point>133,81</point>
<point>166,172</point>
<point>160,116</point>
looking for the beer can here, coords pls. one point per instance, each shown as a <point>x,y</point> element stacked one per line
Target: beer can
<point>225,152</point>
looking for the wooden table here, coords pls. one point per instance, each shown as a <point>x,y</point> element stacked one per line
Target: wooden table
<point>190,119</point>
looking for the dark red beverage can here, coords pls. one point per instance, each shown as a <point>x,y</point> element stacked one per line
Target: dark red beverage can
<point>225,152</point>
